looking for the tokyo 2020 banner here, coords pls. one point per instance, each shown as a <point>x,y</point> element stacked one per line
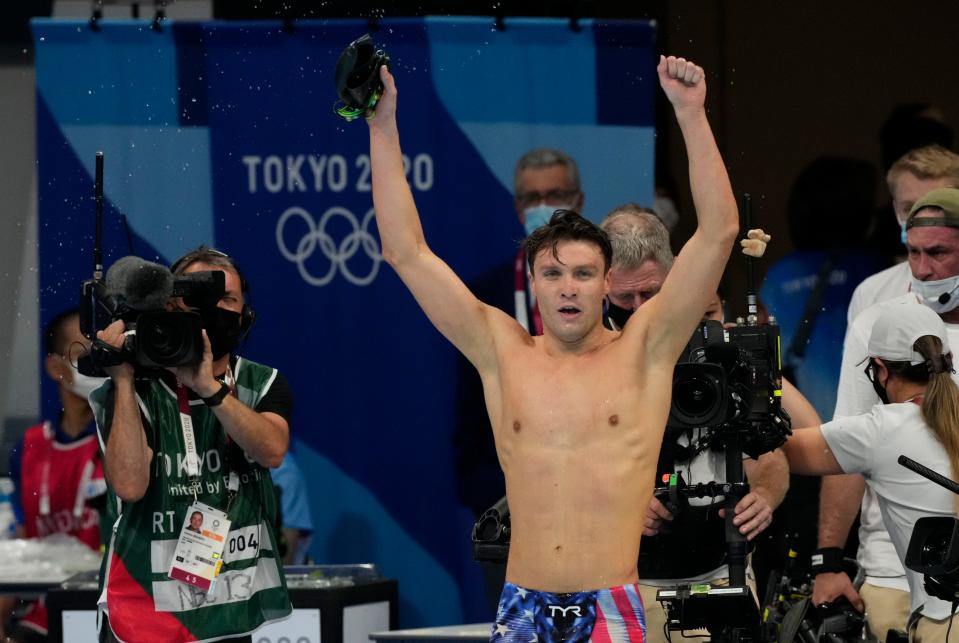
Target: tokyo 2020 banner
<point>224,134</point>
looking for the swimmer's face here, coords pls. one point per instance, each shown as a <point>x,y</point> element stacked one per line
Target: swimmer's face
<point>570,288</point>
<point>196,520</point>
<point>631,288</point>
<point>714,311</point>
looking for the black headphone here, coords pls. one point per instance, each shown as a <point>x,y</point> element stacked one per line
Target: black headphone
<point>204,254</point>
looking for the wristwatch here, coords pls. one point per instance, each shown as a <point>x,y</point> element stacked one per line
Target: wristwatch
<point>217,398</point>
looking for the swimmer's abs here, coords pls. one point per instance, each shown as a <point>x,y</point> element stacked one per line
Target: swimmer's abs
<point>555,566</point>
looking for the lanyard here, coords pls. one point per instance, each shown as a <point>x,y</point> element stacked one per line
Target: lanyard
<point>521,296</point>
<point>189,440</point>
<point>192,460</point>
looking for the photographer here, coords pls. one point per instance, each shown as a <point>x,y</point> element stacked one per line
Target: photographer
<point>198,438</point>
<point>910,366</point>
<point>694,549</point>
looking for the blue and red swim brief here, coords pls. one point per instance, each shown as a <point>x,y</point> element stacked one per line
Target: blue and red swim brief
<point>599,616</point>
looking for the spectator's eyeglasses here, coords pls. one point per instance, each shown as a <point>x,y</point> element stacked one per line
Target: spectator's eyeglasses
<point>553,197</point>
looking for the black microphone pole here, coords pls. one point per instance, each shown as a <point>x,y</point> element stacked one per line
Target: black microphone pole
<point>96,307</point>
<point>736,544</point>
<point>98,231</point>
<point>752,301</point>
<point>929,474</point>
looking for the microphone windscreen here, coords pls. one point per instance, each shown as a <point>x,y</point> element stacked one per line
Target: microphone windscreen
<point>140,284</point>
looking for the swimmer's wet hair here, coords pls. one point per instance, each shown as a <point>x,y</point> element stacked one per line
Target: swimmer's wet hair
<point>566,225</point>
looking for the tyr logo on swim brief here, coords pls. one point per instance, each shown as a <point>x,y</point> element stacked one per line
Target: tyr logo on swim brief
<point>564,611</point>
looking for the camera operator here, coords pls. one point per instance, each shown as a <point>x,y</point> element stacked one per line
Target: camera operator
<point>910,366</point>
<point>198,438</point>
<point>694,549</point>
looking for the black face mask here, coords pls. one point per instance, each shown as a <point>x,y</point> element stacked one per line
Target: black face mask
<point>223,328</point>
<point>617,315</point>
<point>873,375</point>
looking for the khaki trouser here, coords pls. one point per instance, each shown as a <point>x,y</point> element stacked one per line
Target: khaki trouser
<point>927,630</point>
<point>886,609</point>
<point>656,615</point>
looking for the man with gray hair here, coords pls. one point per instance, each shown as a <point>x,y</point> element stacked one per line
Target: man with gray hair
<point>694,551</point>
<point>641,259</point>
<point>545,180</point>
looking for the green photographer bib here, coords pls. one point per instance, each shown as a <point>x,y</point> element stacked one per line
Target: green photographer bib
<point>143,603</point>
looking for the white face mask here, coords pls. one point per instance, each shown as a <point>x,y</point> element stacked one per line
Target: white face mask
<point>539,215</point>
<point>82,385</point>
<point>939,295</point>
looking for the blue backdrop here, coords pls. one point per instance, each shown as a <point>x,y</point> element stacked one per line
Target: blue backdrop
<point>224,133</point>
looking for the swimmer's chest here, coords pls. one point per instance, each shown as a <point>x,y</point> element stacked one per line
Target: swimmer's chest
<point>575,400</point>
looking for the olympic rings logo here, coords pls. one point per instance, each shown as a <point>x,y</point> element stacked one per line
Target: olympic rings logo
<point>339,255</point>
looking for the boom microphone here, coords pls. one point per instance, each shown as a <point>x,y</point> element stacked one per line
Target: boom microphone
<point>141,285</point>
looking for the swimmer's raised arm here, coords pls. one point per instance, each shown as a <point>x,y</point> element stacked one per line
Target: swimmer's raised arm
<point>448,303</point>
<point>694,278</point>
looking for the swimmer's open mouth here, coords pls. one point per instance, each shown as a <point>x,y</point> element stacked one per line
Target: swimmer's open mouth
<point>569,310</point>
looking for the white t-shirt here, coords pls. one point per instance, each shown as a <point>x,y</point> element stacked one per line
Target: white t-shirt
<point>876,555</point>
<point>870,444</point>
<point>883,285</point>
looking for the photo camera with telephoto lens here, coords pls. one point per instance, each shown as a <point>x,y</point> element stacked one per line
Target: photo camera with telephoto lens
<point>137,292</point>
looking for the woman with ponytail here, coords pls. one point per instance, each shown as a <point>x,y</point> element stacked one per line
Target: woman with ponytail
<point>910,366</point>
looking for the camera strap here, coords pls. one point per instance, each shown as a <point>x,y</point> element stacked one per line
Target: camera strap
<point>192,460</point>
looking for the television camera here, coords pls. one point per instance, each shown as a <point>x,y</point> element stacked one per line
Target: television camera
<point>137,292</point>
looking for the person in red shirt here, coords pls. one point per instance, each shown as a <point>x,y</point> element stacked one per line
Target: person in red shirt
<point>56,468</point>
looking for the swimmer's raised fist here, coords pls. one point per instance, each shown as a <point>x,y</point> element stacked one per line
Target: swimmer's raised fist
<point>683,81</point>
<point>384,114</point>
